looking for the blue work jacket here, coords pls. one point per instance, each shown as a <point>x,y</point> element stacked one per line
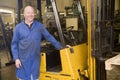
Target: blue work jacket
<point>26,47</point>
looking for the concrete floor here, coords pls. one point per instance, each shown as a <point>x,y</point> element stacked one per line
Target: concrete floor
<point>8,72</point>
<point>114,74</point>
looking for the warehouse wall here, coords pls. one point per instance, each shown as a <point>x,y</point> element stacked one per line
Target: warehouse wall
<point>117,5</point>
<point>62,3</point>
<point>6,16</point>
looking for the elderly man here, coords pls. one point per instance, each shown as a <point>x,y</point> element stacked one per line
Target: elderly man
<point>26,45</point>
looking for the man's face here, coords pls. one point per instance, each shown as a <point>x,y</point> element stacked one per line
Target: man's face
<point>29,14</point>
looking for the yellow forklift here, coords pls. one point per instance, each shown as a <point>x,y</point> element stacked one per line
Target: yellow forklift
<point>82,60</point>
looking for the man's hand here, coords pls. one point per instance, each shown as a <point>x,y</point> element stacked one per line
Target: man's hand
<point>18,63</point>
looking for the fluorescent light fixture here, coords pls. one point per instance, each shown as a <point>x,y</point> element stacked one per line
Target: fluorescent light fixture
<point>5,11</point>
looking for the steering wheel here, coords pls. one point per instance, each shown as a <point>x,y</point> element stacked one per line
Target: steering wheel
<point>69,28</point>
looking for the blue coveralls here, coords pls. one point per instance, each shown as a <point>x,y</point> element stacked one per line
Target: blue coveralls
<point>26,47</point>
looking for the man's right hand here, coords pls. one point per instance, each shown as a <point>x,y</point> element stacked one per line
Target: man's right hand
<point>18,63</point>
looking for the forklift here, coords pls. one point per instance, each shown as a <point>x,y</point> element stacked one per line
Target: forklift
<point>83,61</point>
<point>80,59</point>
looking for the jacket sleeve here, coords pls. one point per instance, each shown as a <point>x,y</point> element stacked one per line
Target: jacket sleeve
<point>50,38</point>
<point>14,44</point>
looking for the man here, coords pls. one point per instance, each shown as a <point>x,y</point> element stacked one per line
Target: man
<point>26,45</point>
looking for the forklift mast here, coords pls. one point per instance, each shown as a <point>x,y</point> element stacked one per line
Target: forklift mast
<point>58,23</point>
<point>82,19</point>
<point>100,33</point>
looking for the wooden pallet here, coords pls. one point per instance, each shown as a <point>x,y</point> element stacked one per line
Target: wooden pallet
<point>110,63</point>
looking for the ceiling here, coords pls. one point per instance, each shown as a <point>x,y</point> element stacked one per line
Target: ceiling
<point>12,4</point>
